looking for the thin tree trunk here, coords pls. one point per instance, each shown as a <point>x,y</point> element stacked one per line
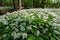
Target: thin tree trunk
<point>43,3</point>
<point>19,4</point>
<point>15,8</point>
<point>0,2</point>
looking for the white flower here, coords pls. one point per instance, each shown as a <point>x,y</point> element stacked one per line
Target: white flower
<point>23,23</point>
<point>29,28</point>
<point>39,15</point>
<point>4,21</point>
<point>56,24</point>
<point>12,24</point>
<point>47,25</point>
<point>33,17</point>
<point>22,28</point>
<point>13,33</point>
<point>16,29</point>
<point>56,32</point>
<point>16,35</point>
<point>34,26</point>
<point>53,14</point>
<point>31,14</point>
<point>4,35</point>
<point>7,27</point>
<point>24,35</point>
<point>37,33</point>
<point>45,17</point>
<point>46,29</point>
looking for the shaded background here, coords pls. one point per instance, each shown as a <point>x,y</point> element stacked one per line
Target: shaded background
<point>11,5</point>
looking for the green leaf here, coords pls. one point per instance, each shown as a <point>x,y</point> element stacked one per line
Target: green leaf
<point>31,37</point>
<point>52,38</point>
<point>39,38</point>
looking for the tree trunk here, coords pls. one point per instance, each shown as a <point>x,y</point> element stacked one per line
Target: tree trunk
<point>43,3</point>
<point>19,4</point>
<point>15,8</point>
<point>0,2</point>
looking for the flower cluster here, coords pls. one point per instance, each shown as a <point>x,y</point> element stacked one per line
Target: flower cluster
<point>28,25</point>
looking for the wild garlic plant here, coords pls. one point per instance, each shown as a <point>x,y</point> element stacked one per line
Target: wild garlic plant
<point>29,25</point>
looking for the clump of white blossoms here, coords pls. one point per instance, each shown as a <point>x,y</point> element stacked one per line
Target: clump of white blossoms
<point>16,35</point>
<point>32,24</point>
<point>5,35</point>
<point>29,27</point>
<point>38,33</point>
<point>24,35</point>
<point>4,21</point>
<point>22,28</point>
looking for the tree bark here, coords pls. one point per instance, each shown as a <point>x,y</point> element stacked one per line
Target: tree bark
<point>15,8</point>
<point>0,2</point>
<point>43,3</point>
<point>19,4</point>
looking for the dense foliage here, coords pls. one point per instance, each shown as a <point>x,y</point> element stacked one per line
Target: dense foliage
<point>28,4</point>
<point>5,9</point>
<point>28,25</point>
<point>34,3</point>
